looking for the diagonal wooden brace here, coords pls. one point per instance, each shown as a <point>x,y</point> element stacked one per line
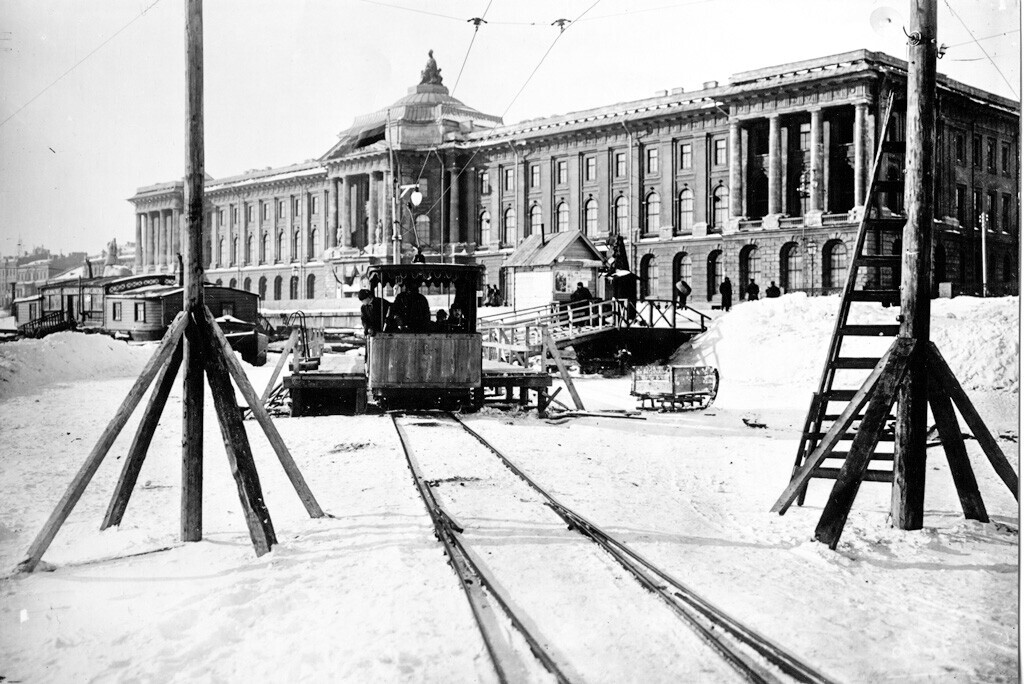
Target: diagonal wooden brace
<point>956,453</point>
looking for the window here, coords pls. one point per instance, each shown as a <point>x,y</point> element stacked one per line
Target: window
<point>562,171</point>
<point>220,217</point>
<point>990,156</point>
<point>264,248</point>
<point>1005,160</point>
<point>262,287</point>
<point>805,137</point>
<point>277,288</point>
<point>652,160</point>
<point>621,216</point>
<point>685,219</point>
<point>652,212</point>
<point>714,272</point>
<point>483,227</point>
<point>790,268</point>
<point>278,255</point>
<point>296,206</point>
<point>280,209</point>
<point>833,264</point>
<point>140,312</point>
<point>960,148</point>
<point>510,179</point>
<point>682,268</point>
<point>536,219</point>
<point>295,246</point>
<point>590,217</point>
<point>992,222</point>
<point>247,284</point>
<point>1007,223</point>
<point>232,283</point>
<point>534,175</point>
<point>234,251</point>
<point>562,217</point>
<point>685,157</point>
<point>485,183</point>
<point>590,169</point>
<point>978,208</point>
<point>227,309</point>
<point>508,226</point>
<point>721,157</point>
<point>750,267</point>
<point>648,276</point>
<point>234,215</point>
<point>311,286</point>
<point>720,207</point>
<point>220,251</point>
<point>620,164</point>
<point>266,210</point>
<point>250,212</point>
<point>293,287</point>
<point>248,249</point>
<point>976,151</point>
<point>960,204</point>
<point>312,250</point>
<point>115,313</point>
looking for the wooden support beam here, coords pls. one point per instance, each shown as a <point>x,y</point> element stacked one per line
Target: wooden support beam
<point>106,440</point>
<point>549,345</point>
<point>840,501</point>
<point>838,429</point>
<point>143,438</point>
<point>263,418</point>
<point>236,444</point>
<point>956,453</point>
<point>948,382</point>
<point>288,347</point>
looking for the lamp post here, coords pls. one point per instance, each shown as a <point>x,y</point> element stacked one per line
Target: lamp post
<point>416,197</point>
<point>812,247</point>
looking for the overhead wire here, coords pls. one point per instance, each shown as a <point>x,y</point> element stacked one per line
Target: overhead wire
<point>980,47</point>
<point>79,62</point>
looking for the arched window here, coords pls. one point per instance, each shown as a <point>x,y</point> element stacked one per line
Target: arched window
<point>483,228</point>
<point>720,207</point>
<point>562,217</point>
<point>790,267</point>
<point>590,217</point>
<point>685,219</point>
<point>247,284</point>
<point>264,247</point>
<point>295,245</point>
<point>232,283</point>
<point>714,273</point>
<point>262,287</point>
<point>833,264</point>
<point>621,216</point>
<point>312,251</point>
<point>277,288</point>
<point>508,227</point>
<point>279,253</point>
<point>682,267</point>
<point>293,287</point>
<point>648,276</point>
<point>750,267</point>
<point>220,252</point>
<point>219,283</point>
<point>234,251</point>
<point>536,219</point>
<point>311,286</point>
<point>248,249</point>
<point>652,213</point>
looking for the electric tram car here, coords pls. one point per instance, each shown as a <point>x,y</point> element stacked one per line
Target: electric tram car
<point>437,364</point>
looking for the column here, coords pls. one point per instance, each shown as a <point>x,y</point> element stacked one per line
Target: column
<point>389,226</point>
<point>175,236</point>
<point>859,152</point>
<point>138,243</point>
<point>373,207</point>
<point>817,179</point>
<point>735,170</point>
<point>158,242</point>
<point>289,230</point>
<point>218,258</point>
<point>346,213</point>
<point>453,207</point>
<point>332,213</point>
<point>168,240</point>
<point>774,165</point>
<point>150,235</point>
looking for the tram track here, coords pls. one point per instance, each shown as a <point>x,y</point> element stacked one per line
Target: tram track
<point>751,655</point>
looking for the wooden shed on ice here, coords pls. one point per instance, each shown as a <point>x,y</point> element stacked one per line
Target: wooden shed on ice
<point>144,313</point>
<point>546,268</point>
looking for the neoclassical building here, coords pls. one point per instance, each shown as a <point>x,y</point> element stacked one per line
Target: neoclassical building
<point>762,177</point>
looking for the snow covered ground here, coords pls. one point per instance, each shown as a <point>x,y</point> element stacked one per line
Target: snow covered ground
<point>367,595</point>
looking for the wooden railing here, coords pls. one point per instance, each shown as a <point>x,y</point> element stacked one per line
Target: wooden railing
<point>55,321</point>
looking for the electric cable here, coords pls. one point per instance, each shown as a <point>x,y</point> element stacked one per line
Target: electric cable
<point>980,47</point>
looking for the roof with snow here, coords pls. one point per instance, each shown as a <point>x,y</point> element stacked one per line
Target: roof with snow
<point>538,250</point>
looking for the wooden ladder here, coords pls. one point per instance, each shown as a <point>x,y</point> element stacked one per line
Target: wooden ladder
<point>872,281</point>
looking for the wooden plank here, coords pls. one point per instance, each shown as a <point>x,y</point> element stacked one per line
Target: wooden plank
<point>840,501</point>
<point>871,330</point>
<point>891,296</point>
<point>855,362</point>
<point>835,433</point>
<point>259,412</point>
<point>289,347</point>
<point>92,462</point>
<point>869,475</point>
<point>562,370</point>
<point>236,446</point>
<point>143,438</point>
<point>956,453</point>
<point>947,380</point>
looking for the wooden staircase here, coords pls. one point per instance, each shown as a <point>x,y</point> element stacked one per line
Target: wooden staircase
<point>871,294</point>
<point>55,321</point>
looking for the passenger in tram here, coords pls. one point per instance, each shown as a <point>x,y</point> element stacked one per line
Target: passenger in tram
<point>411,308</point>
<point>456,321</point>
<point>374,312</point>
<point>441,321</point>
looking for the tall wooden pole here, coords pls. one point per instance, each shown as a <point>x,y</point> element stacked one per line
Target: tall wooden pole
<point>195,362</point>
<point>907,506</point>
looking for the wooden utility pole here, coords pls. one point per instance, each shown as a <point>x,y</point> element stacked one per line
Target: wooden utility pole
<point>907,505</point>
<point>195,363</point>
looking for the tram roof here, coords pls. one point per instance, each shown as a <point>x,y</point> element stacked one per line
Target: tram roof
<point>435,274</point>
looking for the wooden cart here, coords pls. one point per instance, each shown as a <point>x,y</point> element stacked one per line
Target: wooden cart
<point>675,388</point>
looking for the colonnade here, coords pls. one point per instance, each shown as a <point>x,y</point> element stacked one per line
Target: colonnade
<point>157,240</point>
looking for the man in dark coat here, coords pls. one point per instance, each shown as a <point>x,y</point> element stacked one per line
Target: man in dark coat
<point>580,294</point>
<point>725,289</point>
<point>773,291</point>
<point>683,291</point>
<point>374,312</point>
<point>411,309</point>
<point>752,290</point>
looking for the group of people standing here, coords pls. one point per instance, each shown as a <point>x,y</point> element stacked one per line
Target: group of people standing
<point>753,291</point>
<point>410,312</point>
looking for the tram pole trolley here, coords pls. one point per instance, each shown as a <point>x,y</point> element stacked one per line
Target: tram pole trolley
<point>675,388</point>
<point>431,364</point>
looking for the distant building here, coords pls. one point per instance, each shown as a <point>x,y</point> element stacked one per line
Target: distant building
<point>763,177</point>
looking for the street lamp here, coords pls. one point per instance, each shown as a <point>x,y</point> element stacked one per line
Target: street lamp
<point>415,197</point>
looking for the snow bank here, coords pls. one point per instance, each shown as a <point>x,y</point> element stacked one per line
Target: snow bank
<point>785,340</point>
<point>27,365</point>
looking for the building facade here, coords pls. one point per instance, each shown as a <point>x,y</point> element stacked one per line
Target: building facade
<point>763,177</point>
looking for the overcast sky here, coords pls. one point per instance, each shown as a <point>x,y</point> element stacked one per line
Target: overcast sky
<point>284,77</point>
